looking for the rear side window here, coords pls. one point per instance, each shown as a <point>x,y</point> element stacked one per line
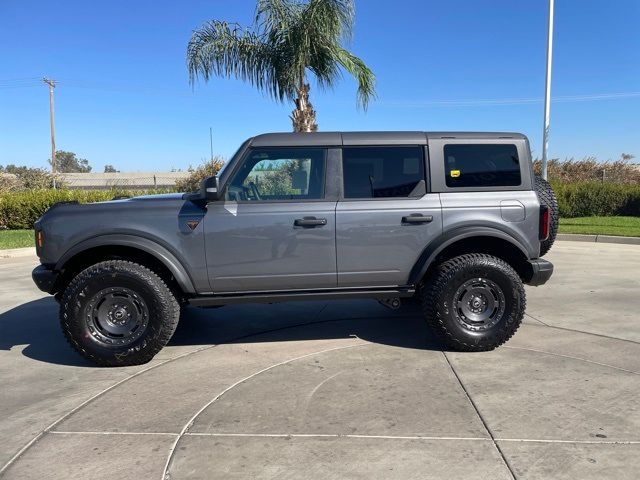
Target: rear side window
<point>383,172</point>
<point>481,165</point>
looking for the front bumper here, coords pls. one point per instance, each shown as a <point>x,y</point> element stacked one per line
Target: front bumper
<point>540,271</point>
<point>45,278</point>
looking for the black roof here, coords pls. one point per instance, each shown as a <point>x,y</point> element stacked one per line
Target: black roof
<point>367,138</point>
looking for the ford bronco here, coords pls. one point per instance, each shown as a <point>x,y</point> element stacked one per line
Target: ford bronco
<point>457,221</point>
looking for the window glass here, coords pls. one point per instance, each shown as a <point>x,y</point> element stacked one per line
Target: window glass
<point>279,174</point>
<point>481,165</point>
<point>383,172</point>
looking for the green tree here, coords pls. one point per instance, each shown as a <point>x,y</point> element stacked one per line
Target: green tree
<point>68,162</point>
<point>25,178</point>
<point>288,40</point>
<point>110,169</point>
<point>192,182</point>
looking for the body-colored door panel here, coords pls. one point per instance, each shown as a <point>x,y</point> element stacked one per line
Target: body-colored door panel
<point>375,247</point>
<point>257,247</point>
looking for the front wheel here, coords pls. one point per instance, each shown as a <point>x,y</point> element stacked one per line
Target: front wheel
<point>118,313</point>
<point>474,302</point>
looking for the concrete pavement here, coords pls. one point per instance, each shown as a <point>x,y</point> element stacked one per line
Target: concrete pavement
<point>345,389</point>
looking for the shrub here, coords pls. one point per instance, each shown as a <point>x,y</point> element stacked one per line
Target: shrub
<point>21,209</point>
<point>584,199</point>
<point>589,169</point>
<point>208,169</point>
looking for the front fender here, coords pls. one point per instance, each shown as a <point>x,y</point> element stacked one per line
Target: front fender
<point>149,246</point>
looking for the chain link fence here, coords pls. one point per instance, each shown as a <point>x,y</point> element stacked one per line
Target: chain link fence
<point>125,181</point>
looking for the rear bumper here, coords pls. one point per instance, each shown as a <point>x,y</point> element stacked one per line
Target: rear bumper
<point>45,278</point>
<point>541,271</point>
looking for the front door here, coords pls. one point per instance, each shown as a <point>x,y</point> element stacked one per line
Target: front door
<point>386,217</point>
<point>274,230</point>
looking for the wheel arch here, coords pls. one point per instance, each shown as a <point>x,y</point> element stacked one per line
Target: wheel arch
<point>472,240</point>
<point>138,249</point>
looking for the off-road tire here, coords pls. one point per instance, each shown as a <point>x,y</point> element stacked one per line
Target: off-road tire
<point>438,294</point>
<point>79,302</point>
<point>548,198</point>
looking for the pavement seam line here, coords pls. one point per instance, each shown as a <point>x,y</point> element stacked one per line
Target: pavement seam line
<point>572,358</point>
<point>39,435</point>
<point>335,435</point>
<point>482,420</point>
<point>577,442</point>
<point>89,400</point>
<point>66,432</point>
<point>351,435</point>
<point>165,474</point>
<point>579,331</point>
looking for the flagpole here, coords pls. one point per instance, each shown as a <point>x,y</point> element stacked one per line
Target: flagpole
<point>547,91</point>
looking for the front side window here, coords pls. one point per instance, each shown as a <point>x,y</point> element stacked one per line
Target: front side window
<point>268,174</point>
<point>383,172</point>
<point>482,165</point>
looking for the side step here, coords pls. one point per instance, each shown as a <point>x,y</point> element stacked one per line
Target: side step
<point>297,295</point>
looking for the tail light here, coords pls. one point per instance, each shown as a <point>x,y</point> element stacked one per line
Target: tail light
<point>544,222</point>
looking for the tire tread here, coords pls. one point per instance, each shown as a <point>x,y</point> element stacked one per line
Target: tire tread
<point>163,296</point>
<point>436,283</point>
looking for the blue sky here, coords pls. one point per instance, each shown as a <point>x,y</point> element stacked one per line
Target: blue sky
<point>124,98</point>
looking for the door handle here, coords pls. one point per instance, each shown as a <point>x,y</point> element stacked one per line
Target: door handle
<point>416,218</point>
<point>310,222</point>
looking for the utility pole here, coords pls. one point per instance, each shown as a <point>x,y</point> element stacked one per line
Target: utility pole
<point>547,91</point>
<point>52,120</point>
<point>211,141</point>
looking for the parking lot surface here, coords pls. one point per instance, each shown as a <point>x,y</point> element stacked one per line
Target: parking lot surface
<point>344,389</point>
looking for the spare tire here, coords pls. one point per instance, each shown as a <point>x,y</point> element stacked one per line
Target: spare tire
<point>548,198</point>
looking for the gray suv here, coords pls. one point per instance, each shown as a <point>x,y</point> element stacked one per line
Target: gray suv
<point>457,221</point>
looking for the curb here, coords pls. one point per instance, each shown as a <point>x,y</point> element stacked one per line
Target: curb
<point>578,237</point>
<point>17,252</point>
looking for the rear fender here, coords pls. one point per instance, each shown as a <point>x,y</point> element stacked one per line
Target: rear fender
<point>431,252</point>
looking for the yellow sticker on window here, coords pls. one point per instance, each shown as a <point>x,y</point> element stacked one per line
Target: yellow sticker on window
<point>454,173</point>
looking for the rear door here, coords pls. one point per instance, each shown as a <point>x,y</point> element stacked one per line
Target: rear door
<point>385,217</point>
<point>275,229</point>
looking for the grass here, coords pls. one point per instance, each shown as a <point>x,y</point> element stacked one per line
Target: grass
<point>621,226</point>
<point>16,239</point>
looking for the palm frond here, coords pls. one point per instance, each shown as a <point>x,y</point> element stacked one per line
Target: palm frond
<point>330,18</point>
<point>363,74</point>
<point>275,15</point>
<point>226,50</point>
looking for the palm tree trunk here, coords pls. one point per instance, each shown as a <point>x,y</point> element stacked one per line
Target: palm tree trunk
<point>303,116</point>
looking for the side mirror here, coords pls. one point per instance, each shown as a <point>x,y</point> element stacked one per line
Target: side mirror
<point>209,189</point>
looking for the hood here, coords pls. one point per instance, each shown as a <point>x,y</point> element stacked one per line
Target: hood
<point>147,198</point>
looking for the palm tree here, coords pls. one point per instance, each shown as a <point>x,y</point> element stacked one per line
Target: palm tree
<point>289,40</point>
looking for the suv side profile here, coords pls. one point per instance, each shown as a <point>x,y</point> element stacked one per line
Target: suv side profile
<point>456,220</point>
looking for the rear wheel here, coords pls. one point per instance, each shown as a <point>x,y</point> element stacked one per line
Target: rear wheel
<point>118,313</point>
<point>548,198</point>
<point>474,302</point>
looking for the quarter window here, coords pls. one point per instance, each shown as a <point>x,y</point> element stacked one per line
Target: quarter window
<point>482,165</point>
<point>383,172</point>
<point>279,174</point>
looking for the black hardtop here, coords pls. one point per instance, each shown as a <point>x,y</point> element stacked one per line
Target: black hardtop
<point>290,139</point>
